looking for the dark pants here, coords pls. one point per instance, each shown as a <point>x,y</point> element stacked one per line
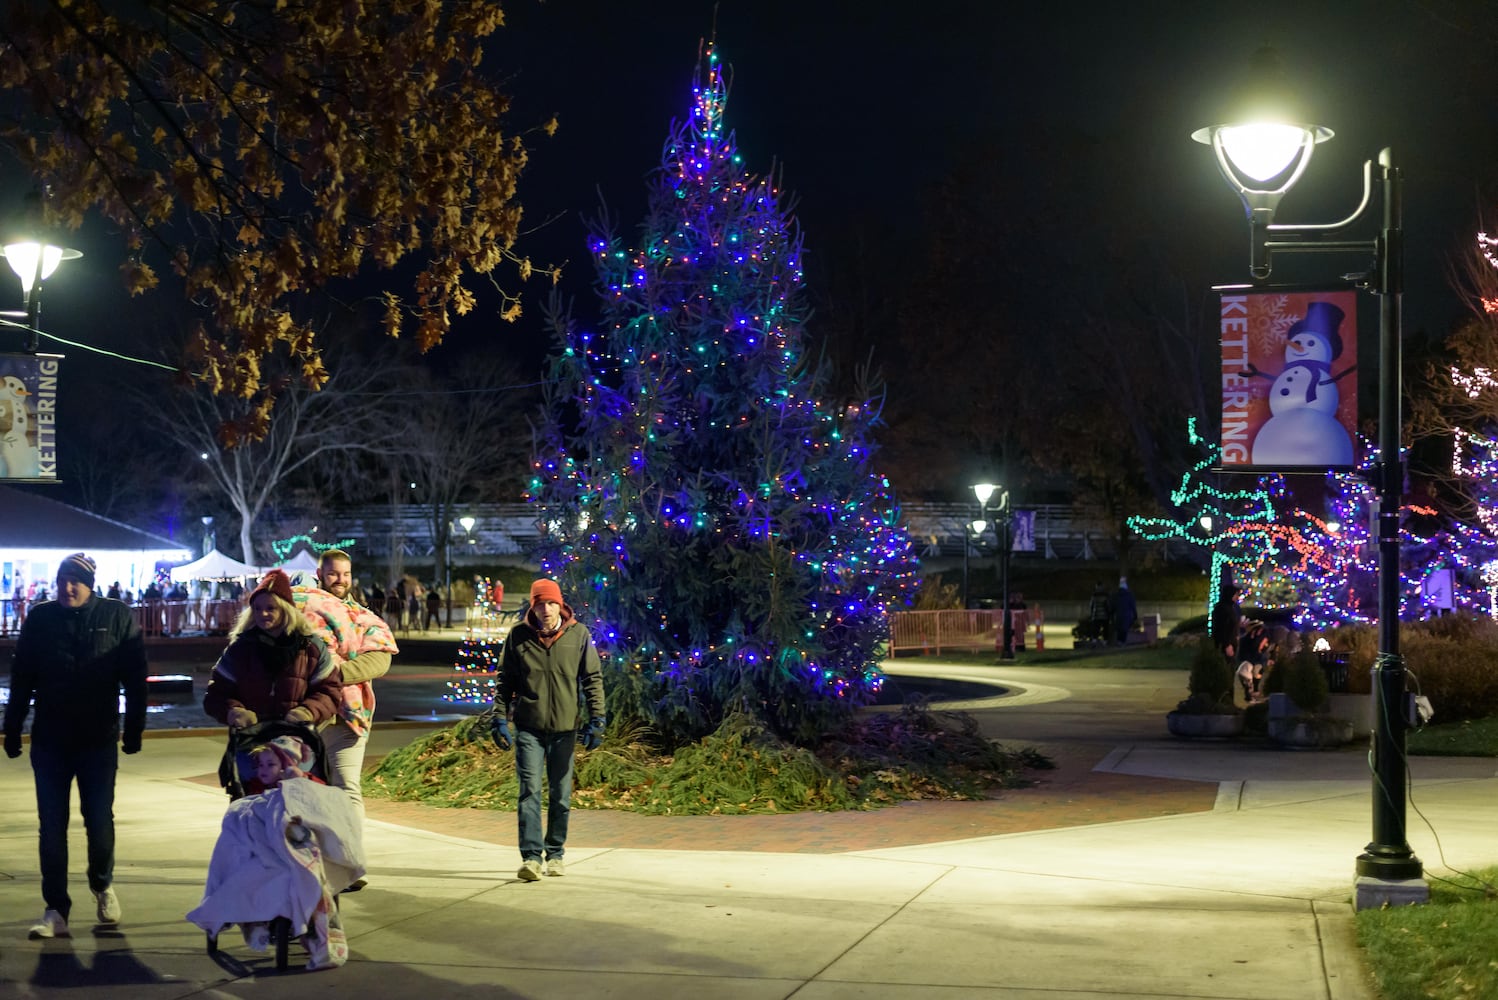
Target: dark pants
<point>432,616</point>
<point>56,768</point>
<point>548,756</point>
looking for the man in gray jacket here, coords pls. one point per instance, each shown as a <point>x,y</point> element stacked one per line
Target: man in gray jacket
<point>546,658</point>
<point>74,656</point>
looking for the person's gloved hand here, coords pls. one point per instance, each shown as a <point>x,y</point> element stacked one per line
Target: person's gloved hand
<point>131,744</point>
<point>241,717</point>
<point>300,713</point>
<point>499,729</point>
<point>12,745</point>
<point>592,736</point>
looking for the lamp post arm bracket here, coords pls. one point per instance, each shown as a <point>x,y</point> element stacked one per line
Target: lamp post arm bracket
<point>1312,227</point>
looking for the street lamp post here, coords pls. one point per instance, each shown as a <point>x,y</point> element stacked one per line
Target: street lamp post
<point>1387,870</point>
<point>1003,531</point>
<point>466,523</point>
<point>33,258</point>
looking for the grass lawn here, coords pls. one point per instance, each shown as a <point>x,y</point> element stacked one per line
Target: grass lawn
<point>1477,738</point>
<point>1442,949</point>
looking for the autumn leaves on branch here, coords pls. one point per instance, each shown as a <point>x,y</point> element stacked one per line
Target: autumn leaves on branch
<point>264,151</point>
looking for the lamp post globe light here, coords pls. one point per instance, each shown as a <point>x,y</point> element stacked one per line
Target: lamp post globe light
<point>1262,153</point>
<point>466,523</point>
<point>33,258</point>
<point>1003,530</point>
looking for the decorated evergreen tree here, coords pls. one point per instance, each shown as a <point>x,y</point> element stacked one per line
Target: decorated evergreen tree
<point>713,518</point>
<point>478,655</point>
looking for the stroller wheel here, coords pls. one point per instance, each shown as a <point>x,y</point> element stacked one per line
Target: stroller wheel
<point>280,932</point>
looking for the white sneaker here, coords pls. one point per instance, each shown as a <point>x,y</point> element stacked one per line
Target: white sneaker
<point>529,872</point>
<point>556,868</point>
<point>109,906</point>
<point>51,925</point>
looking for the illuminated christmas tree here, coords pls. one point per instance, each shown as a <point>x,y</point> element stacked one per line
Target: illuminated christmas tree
<point>713,518</point>
<point>478,655</point>
<point>1236,527</point>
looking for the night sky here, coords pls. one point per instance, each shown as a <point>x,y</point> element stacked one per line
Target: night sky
<point>863,104</point>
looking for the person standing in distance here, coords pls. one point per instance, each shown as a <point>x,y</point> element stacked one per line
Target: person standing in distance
<point>74,656</point>
<point>346,738</point>
<point>547,658</point>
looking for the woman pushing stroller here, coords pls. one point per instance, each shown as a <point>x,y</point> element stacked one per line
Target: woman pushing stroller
<point>286,848</point>
<point>274,668</point>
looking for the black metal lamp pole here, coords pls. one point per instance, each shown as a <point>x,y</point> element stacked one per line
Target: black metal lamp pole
<point>1388,856</point>
<point>447,561</point>
<point>1006,521</point>
<point>1388,870</point>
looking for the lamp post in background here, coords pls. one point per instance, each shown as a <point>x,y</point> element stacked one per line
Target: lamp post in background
<point>466,523</point>
<point>1270,146</point>
<point>1003,530</point>
<point>33,258</point>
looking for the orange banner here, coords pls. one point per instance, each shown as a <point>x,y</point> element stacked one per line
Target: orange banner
<point>1289,388</point>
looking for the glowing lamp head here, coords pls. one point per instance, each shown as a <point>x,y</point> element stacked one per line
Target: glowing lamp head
<point>984,492</point>
<point>1268,132</point>
<point>1264,150</point>
<point>23,259</point>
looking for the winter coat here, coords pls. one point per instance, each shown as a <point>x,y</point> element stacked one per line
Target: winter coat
<point>271,675</point>
<point>541,677</point>
<point>75,662</point>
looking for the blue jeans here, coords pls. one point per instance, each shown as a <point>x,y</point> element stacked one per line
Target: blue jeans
<point>55,769</point>
<point>553,752</point>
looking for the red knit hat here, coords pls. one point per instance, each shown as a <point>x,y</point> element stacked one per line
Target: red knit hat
<point>546,590</point>
<point>277,583</point>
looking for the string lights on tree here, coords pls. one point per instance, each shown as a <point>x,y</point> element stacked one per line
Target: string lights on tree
<point>716,519</point>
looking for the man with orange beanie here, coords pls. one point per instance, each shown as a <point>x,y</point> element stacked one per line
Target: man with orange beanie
<point>547,657</point>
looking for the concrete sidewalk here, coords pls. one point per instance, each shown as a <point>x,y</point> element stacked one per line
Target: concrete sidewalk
<point>1248,900</point>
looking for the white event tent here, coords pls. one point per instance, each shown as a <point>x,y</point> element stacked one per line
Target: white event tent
<point>214,566</point>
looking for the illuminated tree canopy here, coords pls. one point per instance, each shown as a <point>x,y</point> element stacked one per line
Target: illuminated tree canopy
<point>260,151</point>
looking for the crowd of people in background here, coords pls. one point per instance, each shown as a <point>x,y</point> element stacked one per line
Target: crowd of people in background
<point>1252,649</point>
<point>1111,617</point>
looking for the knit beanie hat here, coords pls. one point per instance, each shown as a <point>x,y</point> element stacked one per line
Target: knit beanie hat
<point>546,590</point>
<point>277,583</point>
<point>80,567</point>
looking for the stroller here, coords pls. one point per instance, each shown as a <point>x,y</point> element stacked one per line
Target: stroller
<point>282,856</point>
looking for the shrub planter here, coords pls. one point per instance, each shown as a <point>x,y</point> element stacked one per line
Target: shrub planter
<point>1196,725</point>
<point>1310,732</point>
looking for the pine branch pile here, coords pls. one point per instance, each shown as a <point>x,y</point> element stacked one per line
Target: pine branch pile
<point>742,768</point>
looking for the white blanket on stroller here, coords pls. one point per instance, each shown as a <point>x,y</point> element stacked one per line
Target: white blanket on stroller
<point>257,873</point>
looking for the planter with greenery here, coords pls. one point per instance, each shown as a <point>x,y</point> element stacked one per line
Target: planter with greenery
<point>1302,720</point>
<point>1209,709</point>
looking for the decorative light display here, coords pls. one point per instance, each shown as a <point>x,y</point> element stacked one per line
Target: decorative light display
<point>1237,527</point>
<point>478,656</point>
<point>717,524</point>
<point>282,546</point>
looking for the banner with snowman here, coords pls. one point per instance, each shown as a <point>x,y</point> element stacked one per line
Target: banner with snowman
<point>1289,383</point>
<point>28,417</point>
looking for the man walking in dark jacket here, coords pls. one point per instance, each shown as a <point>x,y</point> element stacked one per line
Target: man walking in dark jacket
<point>547,658</point>
<point>74,656</point>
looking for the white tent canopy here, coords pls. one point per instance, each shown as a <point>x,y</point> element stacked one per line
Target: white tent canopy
<point>302,560</point>
<point>214,566</point>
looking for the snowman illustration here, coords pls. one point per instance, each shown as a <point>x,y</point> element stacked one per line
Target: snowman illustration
<point>1302,428</point>
<point>18,456</point>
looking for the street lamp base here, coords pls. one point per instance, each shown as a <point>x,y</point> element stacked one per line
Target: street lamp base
<point>1371,893</point>
<point>1389,861</point>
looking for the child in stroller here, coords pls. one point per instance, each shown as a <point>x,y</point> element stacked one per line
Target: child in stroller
<point>287,846</point>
